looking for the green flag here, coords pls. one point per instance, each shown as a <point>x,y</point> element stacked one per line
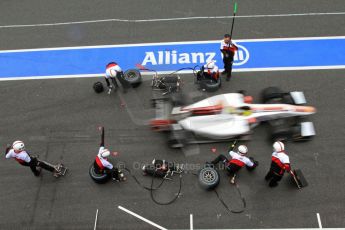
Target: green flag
<point>235,8</point>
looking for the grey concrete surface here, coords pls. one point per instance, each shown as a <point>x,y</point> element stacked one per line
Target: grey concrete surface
<point>59,118</point>
<point>36,12</point>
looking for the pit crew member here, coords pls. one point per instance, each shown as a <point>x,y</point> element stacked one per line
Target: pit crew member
<point>211,70</point>
<point>228,49</point>
<point>238,160</point>
<point>113,71</point>
<point>280,164</point>
<point>102,165</point>
<point>17,151</point>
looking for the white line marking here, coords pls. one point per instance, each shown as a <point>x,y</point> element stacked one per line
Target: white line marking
<point>141,218</point>
<point>319,220</point>
<point>95,226</point>
<point>173,43</point>
<point>100,75</point>
<point>169,19</point>
<point>191,221</point>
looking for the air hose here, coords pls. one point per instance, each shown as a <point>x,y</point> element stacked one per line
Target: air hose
<point>152,188</point>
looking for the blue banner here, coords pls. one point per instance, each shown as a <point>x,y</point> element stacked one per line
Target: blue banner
<point>252,55</point>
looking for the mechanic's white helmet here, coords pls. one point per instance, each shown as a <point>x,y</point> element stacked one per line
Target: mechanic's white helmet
<point>105,153</point>
<point>210,65</point>
<point>278,146</point>
<point>242,149</point>
<point>18,146</point>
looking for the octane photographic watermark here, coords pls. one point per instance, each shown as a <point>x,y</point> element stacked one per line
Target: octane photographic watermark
<point>187,167</point>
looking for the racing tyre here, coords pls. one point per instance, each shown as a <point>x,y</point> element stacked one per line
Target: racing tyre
<point>133,76</point>
<point>271,93</point>
<point>210,85</point>
<point>280,134</point>
<point>98,178</point>
<point>208,178</point>
<point>98,87</point>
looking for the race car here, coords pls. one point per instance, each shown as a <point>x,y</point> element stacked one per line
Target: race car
<point>233,116</point>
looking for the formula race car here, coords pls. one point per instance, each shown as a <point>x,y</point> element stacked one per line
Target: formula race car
<point>232,116</point>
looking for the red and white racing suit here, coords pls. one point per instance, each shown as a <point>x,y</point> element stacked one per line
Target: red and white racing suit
<point>236,162</point>
<point>212,72</point>
<point>24,159</point>
<point>103,166</point>
<point>119,76</point>
<point>102,163</point>
<point>280,163</point>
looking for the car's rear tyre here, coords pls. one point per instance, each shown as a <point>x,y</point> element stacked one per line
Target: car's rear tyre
<point>98,87</point>
<point>96,177</point>
<point>208,178</point>
<point>271,93</point>
<point>281,134</point>
<point>133,76</point>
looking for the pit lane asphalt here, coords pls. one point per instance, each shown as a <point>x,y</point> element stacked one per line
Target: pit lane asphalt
<point>58,119</point>
<point>50,11</point>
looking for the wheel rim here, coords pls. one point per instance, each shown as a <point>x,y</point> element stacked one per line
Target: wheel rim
<point>209,176</point>
<point>131,75</point>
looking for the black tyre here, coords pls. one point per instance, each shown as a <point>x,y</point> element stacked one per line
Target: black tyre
<point>98,178</point>
<point>208,178</point>
<point>210,85</point>
<point>281,134</point>
<point>133,76</point>
<point>271,93</point>
<point>98,87</point>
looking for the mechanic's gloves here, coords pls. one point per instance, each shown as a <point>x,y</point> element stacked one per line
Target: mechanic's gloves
<point>287,167</point>
<point>256,164</point>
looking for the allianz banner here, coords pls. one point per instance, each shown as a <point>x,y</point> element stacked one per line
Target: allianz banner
<point>253,55</point>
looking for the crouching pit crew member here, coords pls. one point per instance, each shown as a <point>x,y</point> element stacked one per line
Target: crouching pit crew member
<point>238,160</point>
<point>102,165</point>
<point>17,151</point>
<point>280,164</point>
<point>211,71</point>
<point>113,73</point>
